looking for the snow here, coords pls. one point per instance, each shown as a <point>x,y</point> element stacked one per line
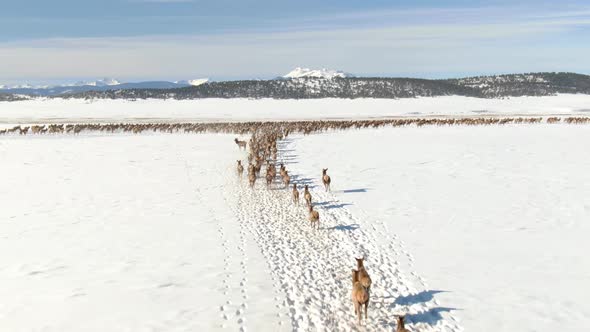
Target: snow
<point>157,232</point>
<point>127,233</point>
<point>101,82</point>
<point>194,82</point>
<point>476,228</point>
<point>78,110</point>
<point>300,72</point>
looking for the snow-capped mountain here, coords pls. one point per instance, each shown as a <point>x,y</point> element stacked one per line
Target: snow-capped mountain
<point>300,72</point>
<point>194,82</point>
<point>102,82</point>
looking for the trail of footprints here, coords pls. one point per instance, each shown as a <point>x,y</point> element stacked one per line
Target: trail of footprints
<point>312,267</point>
<point>229,311</point>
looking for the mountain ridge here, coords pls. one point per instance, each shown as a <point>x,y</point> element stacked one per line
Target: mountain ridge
<point>490,86</point>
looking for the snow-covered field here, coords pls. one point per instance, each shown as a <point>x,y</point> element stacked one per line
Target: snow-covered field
<point>482,228</point>
<point>157,232</point>
<point>77,110</point>
<point>126,233</point>
<point>497,218</point>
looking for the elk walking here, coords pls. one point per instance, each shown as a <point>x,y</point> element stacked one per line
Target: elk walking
<point>286,179</point>
<point>314,217</point>
<point>326,179</point>
<point>241,144</point>
<point>364,278</point>
<point>360,296</point>
<point>295,194</point>
<point>307,196</point>
<point>252,179</point>
<point>401,327</point>
<point>240,168</point>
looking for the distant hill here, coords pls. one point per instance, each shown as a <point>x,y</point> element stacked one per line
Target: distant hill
<point>307,84</point>
<point>300,88</point>
<point>532,84</point>
<point>99,85</point>
<point>10,97</point>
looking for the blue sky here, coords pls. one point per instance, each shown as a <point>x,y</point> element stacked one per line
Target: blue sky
<point>60,40</point>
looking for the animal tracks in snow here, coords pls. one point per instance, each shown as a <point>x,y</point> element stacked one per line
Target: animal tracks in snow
<point>311,268</point>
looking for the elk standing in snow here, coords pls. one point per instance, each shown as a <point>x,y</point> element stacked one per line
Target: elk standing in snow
<point>314,217</point>
<point>240,168</point>
<point>360,296</point>
<point>252,179</point>
<point>307,196</point>
<point>283,169</point>
<point>400,324</point>
<point>326,179</point>
<point>241,144</point>
<point>295,194</point>
<point>286,179</point>
<point>364,278</point>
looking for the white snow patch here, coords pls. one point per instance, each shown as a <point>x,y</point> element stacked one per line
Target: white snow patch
<point>80,110</point>
<point>128,233</point>
<point>300,72</point>
<point>101,82</point>
<point>194,82</point>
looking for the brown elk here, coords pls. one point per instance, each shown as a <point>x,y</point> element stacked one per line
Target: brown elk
<point>314,217</point>
<point>307,196</point>
<point>360,296</point>
<point>240,168</point>
<point>326,179</point>
<point>286,179</point>
<point>252,179</point>
<point>295,194</point>
<point>241,144</point>
<point>401,324</point>
<point>283,170</point>
<point>364,278</point>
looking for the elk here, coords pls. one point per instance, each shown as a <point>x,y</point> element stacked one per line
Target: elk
<point>307,196</point>
<point>252,179</point>
<point>400,324</point>
<point>258,167</point>
<point>360,296</point>
<point>295,194</point>
<point>240,168</point>
<point>364,278</point>
<point>286,179</point>
<point>283,170</point>
<point>314,217</point>
<point>241,144</point>
<point>326,179</point>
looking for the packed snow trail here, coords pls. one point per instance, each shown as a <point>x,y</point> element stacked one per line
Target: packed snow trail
<point>312,268</point>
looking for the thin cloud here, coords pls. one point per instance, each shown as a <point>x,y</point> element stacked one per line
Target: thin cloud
<point>441,47</point>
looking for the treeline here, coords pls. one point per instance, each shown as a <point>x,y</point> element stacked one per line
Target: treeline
<point>11,97</point>
<point>301,88</point>
<point>531,84</point>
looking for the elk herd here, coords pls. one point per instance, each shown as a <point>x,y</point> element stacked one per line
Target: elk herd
<point>263,151</point>
<point>305,127</point>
